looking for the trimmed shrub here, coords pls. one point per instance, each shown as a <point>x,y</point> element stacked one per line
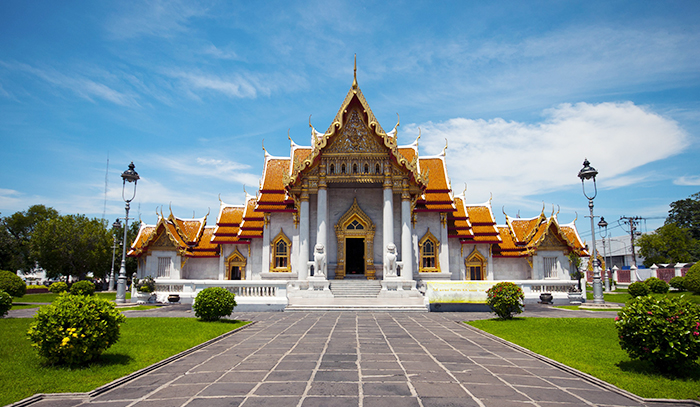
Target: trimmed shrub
<point>656,285</point>
<point>663,331</point>
<point>213,303</point>
<point>5,303</point>
<point>75,329</point>
<point>58,287</point>
<point>12,284</point>
<point>638,289</point>
<point>678,283</point>
<point>692,279</point>
<point>82,287</point>
<point>505,299</point>
<point>145,285</point>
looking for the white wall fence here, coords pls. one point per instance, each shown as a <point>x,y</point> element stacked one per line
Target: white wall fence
<point>257,295</point>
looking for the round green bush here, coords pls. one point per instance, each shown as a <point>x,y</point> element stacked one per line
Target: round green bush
<point>663,331</point>
<point>656,285</point>
<point>213,303</point>
<point>505,299</point>
<point>75,329</point>
<point>638,289</point>
<point>5,303</point>
<point>82,287</point>
<point>678,283</point>
<point>692,279</point>
<point>12,284</point>
<point>58,287</point>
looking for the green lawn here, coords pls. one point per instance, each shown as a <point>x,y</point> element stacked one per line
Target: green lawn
<point>49,297</point>
<point>591,345</point>
<point>143,341</point>
<point>623,297</point>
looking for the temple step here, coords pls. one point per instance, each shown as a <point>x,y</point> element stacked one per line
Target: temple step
<point>355,288</point>
<point>356,305</point>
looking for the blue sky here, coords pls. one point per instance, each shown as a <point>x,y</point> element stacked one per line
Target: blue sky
<point>522,91</point>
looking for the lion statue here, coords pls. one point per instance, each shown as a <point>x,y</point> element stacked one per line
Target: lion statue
<point>319,260</point>
<point>390,261</point>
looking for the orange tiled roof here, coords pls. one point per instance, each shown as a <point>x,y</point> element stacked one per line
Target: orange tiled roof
<point>191,238</point>
<point>408,153</point>
<point>228,224</point>
<point>522,237</point>
<point>252,225</point>
<point>275,169</point>
<point>205,247</point>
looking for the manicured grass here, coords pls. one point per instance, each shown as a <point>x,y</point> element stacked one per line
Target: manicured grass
<point>575,307</point>
<point>139,308</point>
<point>143,341</point>
<point>623,297</point>
<point>49,297</point>
<point>591,345</point>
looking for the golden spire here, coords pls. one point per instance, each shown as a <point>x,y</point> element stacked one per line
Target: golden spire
<point>354,75</point>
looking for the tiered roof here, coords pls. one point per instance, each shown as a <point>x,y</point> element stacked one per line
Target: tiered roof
<point>190,237</point>
<point>523,237</point>
<point>472,223</point>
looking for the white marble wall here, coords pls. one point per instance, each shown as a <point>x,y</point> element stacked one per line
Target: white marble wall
<point>254,265</point>
<point>201,269</point>
<point>150,267</point>
<point>511,269</point>
<point>562,263</point>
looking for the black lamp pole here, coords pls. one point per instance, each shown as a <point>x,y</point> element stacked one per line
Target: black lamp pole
<point>606,272</point>
<point>587,173</point>
<point>115,226</point>
<point>127,176</point>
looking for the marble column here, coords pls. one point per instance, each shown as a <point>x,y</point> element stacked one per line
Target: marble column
<point>444,244</point>
<point>388,212</point>
<point>322,215</point>
<point>406,252</point>
<point>266,244</point>
<point>303,231</point>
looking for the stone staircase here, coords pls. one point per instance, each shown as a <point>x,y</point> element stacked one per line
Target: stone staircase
<point>350,288</point>
<point>356,295</point>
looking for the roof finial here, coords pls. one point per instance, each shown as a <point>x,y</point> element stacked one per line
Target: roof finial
<point>558,209</point>
<point>419,134</point>
<point>170,206</point>
<point>576,218</point>
<point>491,198</point>
<point>354,74</point>
<point>310,125</point>
<point>465,191</point>
<point>444,149</point>
<point>552,211</point>
<point>291,143</point>
<point>220,201</point>
<point>263,147</point>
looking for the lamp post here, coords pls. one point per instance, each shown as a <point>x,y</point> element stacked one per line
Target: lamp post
<point>604,225</point>
<point>587,173</point>
<point>127,176</point>
<point>115,226</point>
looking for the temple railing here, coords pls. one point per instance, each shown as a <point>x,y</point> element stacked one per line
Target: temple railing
<point>256,291</point>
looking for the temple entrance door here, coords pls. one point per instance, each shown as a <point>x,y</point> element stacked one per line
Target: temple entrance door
<point>235,273</point>
<point>355,256</point>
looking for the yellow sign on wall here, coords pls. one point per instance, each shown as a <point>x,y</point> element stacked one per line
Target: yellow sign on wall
<point>458,292</point>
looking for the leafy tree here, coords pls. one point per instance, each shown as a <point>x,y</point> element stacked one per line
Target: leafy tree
<point>686,214</point>
<point>15,236</point>
<point>72,245</point>
<point>668,244</point>
<point>131,262</point>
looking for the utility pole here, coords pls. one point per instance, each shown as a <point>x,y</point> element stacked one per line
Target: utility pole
<point>632,221</point>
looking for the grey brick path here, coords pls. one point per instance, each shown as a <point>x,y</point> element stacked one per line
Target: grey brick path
<point>356,359</point>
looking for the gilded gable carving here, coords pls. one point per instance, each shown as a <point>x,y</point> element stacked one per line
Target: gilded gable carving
<point>552,242</point>
<point>355,138</point>
<point>163,242</point>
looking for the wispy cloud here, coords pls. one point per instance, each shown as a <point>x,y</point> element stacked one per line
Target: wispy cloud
<point>80,85</point>
<point>688,180</point>
<point>196,167</point>
<point>218,53</point>
<point>160,18</point>
<point>515,160</point>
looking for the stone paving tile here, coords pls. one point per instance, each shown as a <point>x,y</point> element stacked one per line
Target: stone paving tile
<point>386,389</point>
<point>175,391</point>
<point>126,393</point>
<point>390,402</point>
<point>289,376</point>
<point>228,389</point>
<point>281,389</point>
<point>330,402</point>
<point>526,380</point>
<point>334,389</point>
<point>158,403</point>
<point>296,365</point>
<point>336,376</point>
<point>271,402</point>
<point>58,403</point>
<point>216,402</point>
<point>500,391</point>
<point>244,376</point>
<point>601,396</point>
<point>383,376</point>
<point>450,402</point>
<point>192,378</point>
<point>432,389</point>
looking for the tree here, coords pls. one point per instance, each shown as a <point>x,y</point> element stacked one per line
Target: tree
<point>668,244</point>
<point>15,236</point>
<point>131,262</point>
<point>686,214</point>
<point>72,245</point>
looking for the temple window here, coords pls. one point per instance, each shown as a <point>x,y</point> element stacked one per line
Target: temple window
<point>280,253</point>
<point>163,267</point>
<point>377,169</point>
<point>428,247</point>
<point>550,267</point>
<point>354,168</point>
<point>366,169</point>
<point>342,169</point>
<point>355,225</point>
<point>475,264</point>
<point>332,169</point>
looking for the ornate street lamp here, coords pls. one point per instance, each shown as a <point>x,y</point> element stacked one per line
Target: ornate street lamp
<point>604,225</point>
<point>587,173</point>
<point>115,226</point>
<point>127,176</point>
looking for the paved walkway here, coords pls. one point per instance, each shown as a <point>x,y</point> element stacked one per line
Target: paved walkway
<point>357,359</point>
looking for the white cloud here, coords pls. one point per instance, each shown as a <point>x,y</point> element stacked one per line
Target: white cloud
<point>160,18</point>
<point>515,160</point>
<point>688,180</point>
<point>219,53</point>
<point>194,168</point>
